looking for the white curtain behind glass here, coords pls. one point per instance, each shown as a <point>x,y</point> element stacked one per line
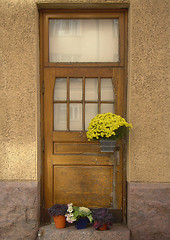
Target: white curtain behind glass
<point>83,40</point>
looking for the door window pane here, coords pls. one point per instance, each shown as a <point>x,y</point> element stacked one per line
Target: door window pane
<point>91,89</point>
<point>107,107</point>
<point>75,89</point>
<point>91,110</point>
<point>75,116</point>
<point>60,116</point>
<point>107,90</point>
<point>84,40</point>
<point>60,89</point>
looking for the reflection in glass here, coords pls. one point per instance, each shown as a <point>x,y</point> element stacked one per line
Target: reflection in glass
<point>60,89</point>
<point>107,107</point>
<point>84,40</point>
<point>75,116</point>
<point>107,90</point>
<point>91,110</point>
<point>75,89</point>
<point>60,116</point>
<point>91,89</point>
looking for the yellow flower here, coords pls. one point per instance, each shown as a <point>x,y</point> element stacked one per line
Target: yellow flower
<point>107,125</point>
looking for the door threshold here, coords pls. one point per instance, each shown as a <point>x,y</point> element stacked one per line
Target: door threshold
<point>118,231</point>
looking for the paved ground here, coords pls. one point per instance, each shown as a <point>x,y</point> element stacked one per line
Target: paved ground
<point>117,232</point>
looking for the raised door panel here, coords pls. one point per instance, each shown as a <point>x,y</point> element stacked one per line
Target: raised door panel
<point>89,186</point>
<point>76,148</point>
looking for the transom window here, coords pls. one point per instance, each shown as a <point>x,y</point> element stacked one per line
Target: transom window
<point>84,40</point>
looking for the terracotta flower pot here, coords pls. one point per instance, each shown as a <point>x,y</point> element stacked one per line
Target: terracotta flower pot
<point>103,228</point>
<point>60,221</point>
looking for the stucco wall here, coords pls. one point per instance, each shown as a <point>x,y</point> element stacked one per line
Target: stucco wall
<point>18,90</point>
<point>148,96</point>
<point>147,89</point>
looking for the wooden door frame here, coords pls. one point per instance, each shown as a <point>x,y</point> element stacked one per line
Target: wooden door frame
<point>120,67</point>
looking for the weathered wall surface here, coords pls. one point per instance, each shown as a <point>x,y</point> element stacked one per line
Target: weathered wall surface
<point>148,211</point>
<point>19,210</point>
<point>148,110</point>
<point>148,96</point>
<point>147,88</point>
<point>18,90</point>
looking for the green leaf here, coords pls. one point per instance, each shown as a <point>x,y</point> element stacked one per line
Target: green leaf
<point>90,218</point>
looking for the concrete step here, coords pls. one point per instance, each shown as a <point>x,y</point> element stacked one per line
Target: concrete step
<point>50,232</point>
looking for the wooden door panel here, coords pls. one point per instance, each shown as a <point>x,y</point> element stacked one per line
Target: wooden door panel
<point>76,147</point>
<point>89,186</point>
<point>69,137</point>
<point>85,72</point>
<point>83,159</point>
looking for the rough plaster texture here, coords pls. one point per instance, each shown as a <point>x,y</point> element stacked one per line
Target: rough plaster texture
<point>147,89</point>
<point>18,90</point>
<point>148,96</point>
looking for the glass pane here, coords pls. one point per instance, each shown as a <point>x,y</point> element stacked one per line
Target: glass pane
<point>84,40</point>
<point>75,89</point>
<point>75,116</point>
<point>109,107</point>
<point>91,89</point>
<point>60,116</point>
<point>91,110</point>
<point>107,90</point>
<point>60,89</point>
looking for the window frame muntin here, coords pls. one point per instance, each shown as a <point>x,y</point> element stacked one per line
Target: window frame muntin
<point>67,101</point>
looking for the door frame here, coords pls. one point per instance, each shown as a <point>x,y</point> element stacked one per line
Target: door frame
<point>120,67</point>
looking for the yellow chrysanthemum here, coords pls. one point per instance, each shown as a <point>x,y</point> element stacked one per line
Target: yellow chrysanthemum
<point>107,125</point>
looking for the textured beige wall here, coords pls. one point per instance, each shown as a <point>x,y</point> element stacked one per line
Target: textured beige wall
<point>148,96</point>
<point>18,90</point>
<point>147,88</point>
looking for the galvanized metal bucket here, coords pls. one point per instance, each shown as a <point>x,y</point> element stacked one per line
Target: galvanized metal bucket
<point>107,145</point>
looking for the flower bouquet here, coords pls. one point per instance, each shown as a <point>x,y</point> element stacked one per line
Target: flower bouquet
<point>80,215</point>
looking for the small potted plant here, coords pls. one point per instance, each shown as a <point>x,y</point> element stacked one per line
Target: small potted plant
<point>80,215</point>
<point>107,127</point>
<point>103,220</point>
<point>58,212</point>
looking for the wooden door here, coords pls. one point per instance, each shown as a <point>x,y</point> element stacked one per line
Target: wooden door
<point>74,169</point>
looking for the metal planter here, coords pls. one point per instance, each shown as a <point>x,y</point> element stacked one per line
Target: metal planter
<point>107,145</point>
